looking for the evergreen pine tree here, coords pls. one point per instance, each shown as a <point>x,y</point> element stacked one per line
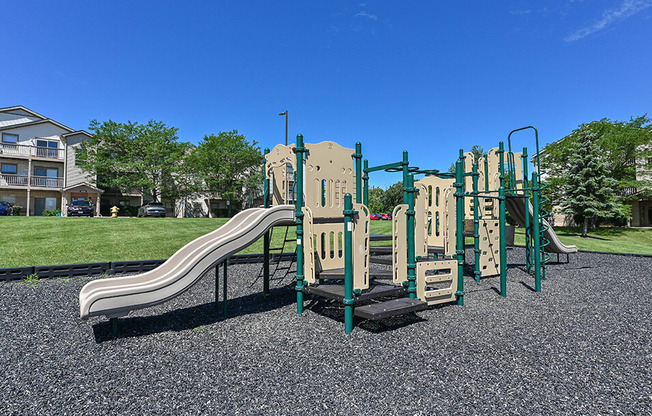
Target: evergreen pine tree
<point>589,191</point>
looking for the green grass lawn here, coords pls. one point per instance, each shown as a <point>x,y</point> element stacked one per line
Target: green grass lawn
<point>34,241</point>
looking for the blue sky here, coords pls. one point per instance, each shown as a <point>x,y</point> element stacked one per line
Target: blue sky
<point>427,77</point>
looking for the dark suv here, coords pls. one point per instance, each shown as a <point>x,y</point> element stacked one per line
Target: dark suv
<point>81,208</point>
<point>153,209</point>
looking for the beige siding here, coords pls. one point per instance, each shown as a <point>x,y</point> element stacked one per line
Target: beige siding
<point>74,174</point>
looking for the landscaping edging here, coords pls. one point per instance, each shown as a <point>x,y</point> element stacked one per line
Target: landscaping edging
<point>116,267</point>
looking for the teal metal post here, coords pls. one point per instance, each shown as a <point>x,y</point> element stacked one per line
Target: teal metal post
<point>410,190</point>
<point>266,236</point>
<point>459,194</point>
<point>476,223</point>
<point>224,288</point>
<point>526,202</point>
<point>300,151</point>
<point>358,172</point>
<point>114,326</point>
<point>365,180</point>
<point>502,221</point>
<point>348,263</point>
<point>406,165</point>
<point>536,233</point>
<point>217,285</point>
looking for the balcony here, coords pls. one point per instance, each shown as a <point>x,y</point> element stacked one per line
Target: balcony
<point>33,181</point>
<point>25,151</point>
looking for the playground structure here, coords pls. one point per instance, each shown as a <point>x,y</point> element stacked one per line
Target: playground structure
<point>311,187</point>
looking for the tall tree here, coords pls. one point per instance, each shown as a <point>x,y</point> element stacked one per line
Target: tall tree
<point>228,165</point>
<point>392,196</point>
<point>589,194</point>
<point>135,157</point>
<point>376,200</point>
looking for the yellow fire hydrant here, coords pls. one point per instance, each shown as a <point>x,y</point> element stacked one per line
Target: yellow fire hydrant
<point>114,212</point>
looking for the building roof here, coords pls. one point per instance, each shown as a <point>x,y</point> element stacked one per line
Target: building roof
<point>86,184</point>
<point>25,121</point>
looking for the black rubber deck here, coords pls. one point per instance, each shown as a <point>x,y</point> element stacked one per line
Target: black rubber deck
<point>394,307</point>
<point>374,273</point>
<point>336,291</point>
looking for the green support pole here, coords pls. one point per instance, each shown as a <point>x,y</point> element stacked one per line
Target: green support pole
<point>502,221</point>
<point>365,180</point>
<point>536,233</point>
<point>224,288</point>
<point>410,190</point>
<point>405,165</point>
<point>476,223</point>
<point>114,326</point>
<point>300,151</point>
<point>459,234</point>
<point>526,202</point>
<point>486,173</point>
<point>266,236</point>
<point>348,263</point>
<point>358,172</point>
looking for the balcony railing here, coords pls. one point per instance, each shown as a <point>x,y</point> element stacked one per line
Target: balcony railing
<point>34,181</point>
<point>8,149</point>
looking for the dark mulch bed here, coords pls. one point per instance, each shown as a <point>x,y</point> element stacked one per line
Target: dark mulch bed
<point>580,347</point>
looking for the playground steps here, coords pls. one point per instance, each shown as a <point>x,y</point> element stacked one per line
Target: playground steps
<point>389,308</point>
<point>336,292</point>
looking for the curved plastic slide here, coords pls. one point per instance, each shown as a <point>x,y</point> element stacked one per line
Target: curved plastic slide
<point>516,209</point>
<point>117,296</point>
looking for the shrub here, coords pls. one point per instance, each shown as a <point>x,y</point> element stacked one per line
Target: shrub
<point>17,209</point>
<point>51,212</point>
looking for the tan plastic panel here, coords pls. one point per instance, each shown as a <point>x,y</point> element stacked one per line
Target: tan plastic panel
<point>421,221</point>
<point>361,247</point>
<point>329,175</point>
<point>435,205</point>
<point>468,184</point>
<point>329,245</point>
<point>280,165</point>
<point>489,248</point>
<point>399,244</point>
<point>450,219</point>
<point>118,296</point>
<point>437,281</point>
<point>308,246</point>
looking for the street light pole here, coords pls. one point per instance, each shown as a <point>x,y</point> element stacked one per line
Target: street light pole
<point>285,113</point>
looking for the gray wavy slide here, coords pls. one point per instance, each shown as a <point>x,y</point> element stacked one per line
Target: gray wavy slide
<point>516,209</point>
<point>117,296</point>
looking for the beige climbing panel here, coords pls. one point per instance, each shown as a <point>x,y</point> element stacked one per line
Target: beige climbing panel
<point>437,281</point>
<point>279,168</point>
<point>361,247</point>
<point>450,221</point>
<point>308,246</point>
<point>399,244</point>
<point>431,198</point>
<point>489,247</point>
<point>328,176</point>
<point>420,221</point>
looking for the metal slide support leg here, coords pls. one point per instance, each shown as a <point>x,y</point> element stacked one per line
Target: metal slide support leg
<point>224,288</point>
<point>114,326</point>
<point>502,221</point>
<point>217,285</point>
<point>348,263</point>
<point>536,233</point>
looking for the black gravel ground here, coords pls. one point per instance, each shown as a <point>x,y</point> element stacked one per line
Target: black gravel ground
<point>582,347</point>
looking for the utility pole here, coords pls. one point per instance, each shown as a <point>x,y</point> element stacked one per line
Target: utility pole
<point>285,113</point>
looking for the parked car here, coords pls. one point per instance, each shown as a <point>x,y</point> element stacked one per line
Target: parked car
<point>81,208</point>
<point>385,216</point>
<point>374,217</point>
<point>5,208</point>
<point>153,209</point>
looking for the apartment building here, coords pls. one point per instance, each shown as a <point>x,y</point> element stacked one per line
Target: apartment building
<point>37,162</point>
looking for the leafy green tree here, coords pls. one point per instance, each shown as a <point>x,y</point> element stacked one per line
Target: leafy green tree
<point>228,165</point>
<point>376,199</point>
<point>589,193</point>
<point>392,197</point>
<point>621,143</point>
<point>129,157</point>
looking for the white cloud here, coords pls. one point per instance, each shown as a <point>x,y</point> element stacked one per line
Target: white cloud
<point>520,12</point>
<point>627,9</point>
<point>367,15</point>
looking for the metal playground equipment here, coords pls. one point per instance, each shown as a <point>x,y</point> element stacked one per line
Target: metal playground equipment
<point>323,191</point>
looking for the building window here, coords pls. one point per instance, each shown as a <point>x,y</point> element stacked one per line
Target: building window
<point>9,141</point>
<point>48,172</point>
<point>9,169</point>
<point>47,148</point>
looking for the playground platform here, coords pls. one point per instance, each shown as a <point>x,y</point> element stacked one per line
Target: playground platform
<point>581,346</point>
